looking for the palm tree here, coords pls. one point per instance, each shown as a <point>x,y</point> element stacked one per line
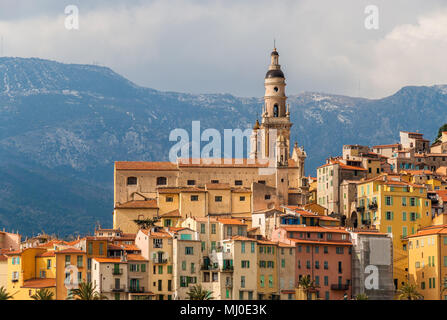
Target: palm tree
<point>4,295</point>
<point>146,223</point>
<point>361,296</point>
<point>409,292</point>
<point>43,294</point>
<point>85,291</point>
<point>198,293</point>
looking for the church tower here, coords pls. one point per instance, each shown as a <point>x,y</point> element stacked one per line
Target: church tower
<point>275,124</point>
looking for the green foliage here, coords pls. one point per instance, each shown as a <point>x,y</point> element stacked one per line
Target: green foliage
<point>361,296</point>
<point>146,223</point>
<point>409,292</point>
<point>198,293</point>
<point>85,291</point>
<point>43,294</point>
<point>440,131</point>
<point>4,295</point>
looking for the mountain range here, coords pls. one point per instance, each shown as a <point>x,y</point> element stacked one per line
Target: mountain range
<point>62,126</point>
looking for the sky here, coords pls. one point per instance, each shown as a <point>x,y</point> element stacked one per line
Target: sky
<point>212,46</point>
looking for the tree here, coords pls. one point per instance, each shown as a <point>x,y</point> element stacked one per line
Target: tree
<point>361,296</point>
<point>198,293</point>
<point>85,291</point>
<point>307,284</point>
<point>409,292</point>
<point>146,223</point>
<point>43,294</point>
<point>4,295</point>
<point>440,131</point>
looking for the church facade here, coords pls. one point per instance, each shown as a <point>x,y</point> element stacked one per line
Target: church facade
<point>272,176</point>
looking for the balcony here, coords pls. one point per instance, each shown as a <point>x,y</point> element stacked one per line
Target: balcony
<point>136,289</point>
<point>15,279</point>
<point>227,268</point>
<point>373,206</point>
<point>117,272</point>
<point>361,209</point>
<point>229,284</point>
<point>208,267</point>
<point>157,260</point>
<point>339,286</point>
<point>119,288</point>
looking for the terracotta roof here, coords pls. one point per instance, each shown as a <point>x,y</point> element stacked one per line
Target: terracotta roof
<point>39,283</point>
<point>230,221</point>
<point>143,165</point>
<point>315,229</point>
<point>52,243</point>
<point>383,146</point>
<point>442,194</point>
<point>109,260</point>
<point>135,257</point>
<point>171,214</point>
<point>432,230</point>
<point>217,186</point>
<point>179,189</point>
<point>240,190</point>
<point>242,238</point>
<point>47,254</point>
<point>157,234</point>
<point>342,166</point>
<point>418,172</point>
<point>13,253</point>
<point>228,163</point>
<point>70,250</point>
<point>285,245</point>
<point>138,204</point>
<point>316,241</point>
<point>266,242</point>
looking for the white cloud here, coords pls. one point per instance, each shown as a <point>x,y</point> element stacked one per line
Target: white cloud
<point>223,46</point>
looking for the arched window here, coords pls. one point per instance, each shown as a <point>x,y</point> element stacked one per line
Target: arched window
<point>131,181</point>
<point>275,110</point>
<point>161,181</point>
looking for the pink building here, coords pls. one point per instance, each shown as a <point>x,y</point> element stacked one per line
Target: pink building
<point>9,241</point>
<point>324,254</point>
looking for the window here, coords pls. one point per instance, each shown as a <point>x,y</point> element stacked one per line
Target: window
<point>101,249</point>
<point>218,198</point>
<point>170,269</point>
<point>214,181</point>
<point>339,250</point>
<point>169,199</point>
<point>79,261</point>
<point>195,198</point>
<point>275,111</point>
<point>191,182</point>
<point>245,264</point>
<point>132,181</point>
<point>326,280</point>
<point>326,265</point>
<point>252,247</point>
<point>267,197</point>
<point>67,260</point>
<point>90,248</point>
<point>48,263</point>
<point>262,281</point>
<point>189,250</point>
<point>213,228</point>
<point>238,182</point>
<point>389,215</point>
<point>326,249</point>
<point>388,200</point>
<point>202,228</point>
<point>243,247</point>
<point>242,198</point>
<point>412,202</point>
<point>184,265</point>
<point>261,181</point>
<point>270,281</point>
<point>161,181</point>
<point>404,216</point>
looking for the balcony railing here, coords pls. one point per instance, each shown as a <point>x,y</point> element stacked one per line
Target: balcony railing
<point>227,268</point>
<point>117,272</point>
<point>117,288</point>
<point>372,206</point>
<point>136,289</point>
<point>229,284</point>
<point>339,286</point>
<point>208,267</point>
<point>157,260</point>
<point>361,209</point>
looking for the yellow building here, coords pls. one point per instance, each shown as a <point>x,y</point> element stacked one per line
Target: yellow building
<point>427,257</point>
<point>71,269</point>
<point>25,275</point>
<point>394,206</point>
<point>268,286</point>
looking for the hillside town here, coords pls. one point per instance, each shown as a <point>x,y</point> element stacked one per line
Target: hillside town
<point>371,223</point>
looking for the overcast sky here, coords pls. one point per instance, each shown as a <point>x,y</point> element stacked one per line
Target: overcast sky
<point>224,46</point>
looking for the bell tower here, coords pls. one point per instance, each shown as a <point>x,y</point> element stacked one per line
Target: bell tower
<point>275,121</point>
